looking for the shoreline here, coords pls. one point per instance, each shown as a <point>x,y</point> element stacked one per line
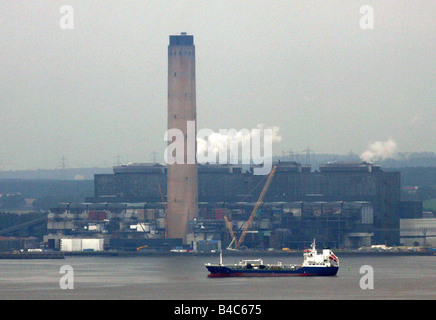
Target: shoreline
<point>228,253</point>
<point>237,253</point>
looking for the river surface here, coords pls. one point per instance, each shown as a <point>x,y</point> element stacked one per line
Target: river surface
<point>185,277</point>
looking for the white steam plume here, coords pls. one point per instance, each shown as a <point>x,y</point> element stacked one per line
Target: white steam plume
<point>380,150</point>
<point>217,142</point>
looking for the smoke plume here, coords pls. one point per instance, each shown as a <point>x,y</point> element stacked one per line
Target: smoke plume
<point>380,150</point>
<point>216,143</point>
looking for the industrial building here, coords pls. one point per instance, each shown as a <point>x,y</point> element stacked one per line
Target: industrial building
<point>418,232</point>
<point>197,195</point>
<point>342,204</point>
<point>70,225</point>
<point>276,225</point>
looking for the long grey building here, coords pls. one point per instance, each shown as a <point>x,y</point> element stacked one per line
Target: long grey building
<point>293,182</point>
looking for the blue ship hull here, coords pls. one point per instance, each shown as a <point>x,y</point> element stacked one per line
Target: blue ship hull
<point>234,271</point>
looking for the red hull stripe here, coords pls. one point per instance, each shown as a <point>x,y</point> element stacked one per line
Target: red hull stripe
<point>251,274</point>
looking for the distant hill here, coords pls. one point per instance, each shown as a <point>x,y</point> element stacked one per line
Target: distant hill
<point>51,187</point>
<point>402,160</point>
<point>55,174</point>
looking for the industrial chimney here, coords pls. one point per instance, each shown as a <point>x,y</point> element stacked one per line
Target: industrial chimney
<point>182,192</point>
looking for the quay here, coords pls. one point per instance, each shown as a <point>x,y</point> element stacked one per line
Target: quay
<point>32,255</point>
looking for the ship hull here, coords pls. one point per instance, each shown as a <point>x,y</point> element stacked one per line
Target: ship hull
<point>226,271</point>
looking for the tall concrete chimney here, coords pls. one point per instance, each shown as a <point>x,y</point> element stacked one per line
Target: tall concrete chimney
<point>182,192</point>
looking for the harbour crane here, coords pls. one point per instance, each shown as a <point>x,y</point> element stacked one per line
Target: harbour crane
<point>253,213</point>
<point>232,234</point>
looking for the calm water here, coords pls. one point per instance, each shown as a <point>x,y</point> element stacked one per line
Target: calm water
<point>179,277</point>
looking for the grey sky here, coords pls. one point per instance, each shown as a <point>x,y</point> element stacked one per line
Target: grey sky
<point>305,66</point>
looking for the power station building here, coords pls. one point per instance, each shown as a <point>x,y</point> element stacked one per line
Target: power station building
<point>342,204</point>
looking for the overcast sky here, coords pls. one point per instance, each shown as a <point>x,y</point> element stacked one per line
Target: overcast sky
<point>307,67</point>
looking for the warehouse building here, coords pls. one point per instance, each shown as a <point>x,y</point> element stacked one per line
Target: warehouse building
<point>76,227</point>
<point>418,232</point>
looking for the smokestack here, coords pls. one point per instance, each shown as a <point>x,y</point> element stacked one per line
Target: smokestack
<point>182,192</point>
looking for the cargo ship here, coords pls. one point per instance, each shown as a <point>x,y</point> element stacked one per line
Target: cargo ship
<point>314,264</point>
